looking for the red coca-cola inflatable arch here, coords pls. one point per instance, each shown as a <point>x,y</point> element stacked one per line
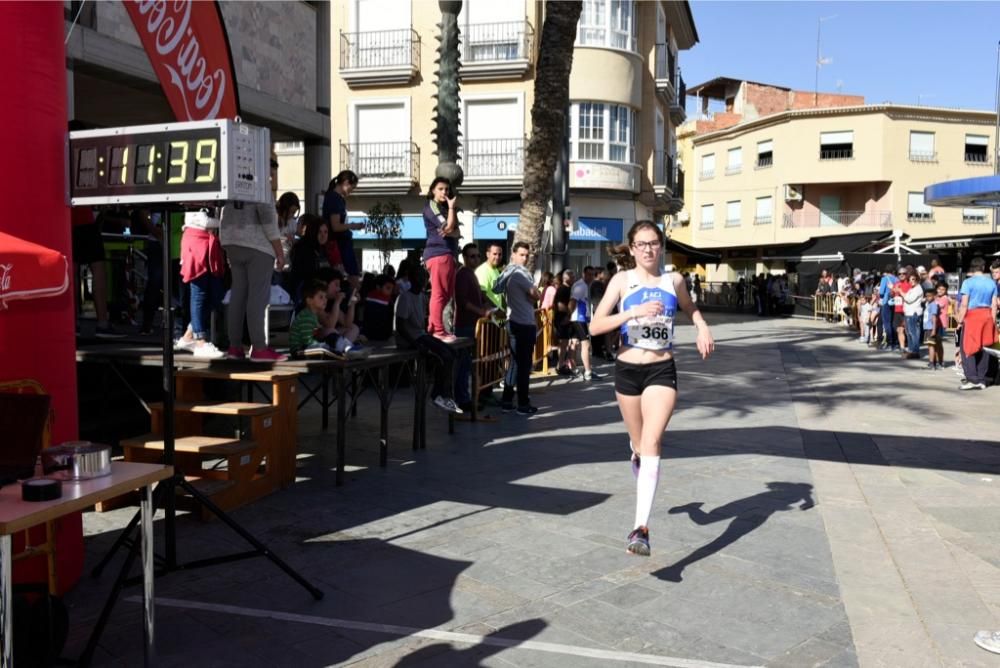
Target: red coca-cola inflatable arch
<point>37,335</point>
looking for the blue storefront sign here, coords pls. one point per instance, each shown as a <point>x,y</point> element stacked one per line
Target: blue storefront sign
<point>598,229</point>
<point>494,227</point>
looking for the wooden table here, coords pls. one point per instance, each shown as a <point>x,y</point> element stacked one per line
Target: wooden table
<point>17,515</point>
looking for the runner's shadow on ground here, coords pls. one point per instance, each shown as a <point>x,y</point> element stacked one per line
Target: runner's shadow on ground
<point>444,654</point>
<point>744,515</point>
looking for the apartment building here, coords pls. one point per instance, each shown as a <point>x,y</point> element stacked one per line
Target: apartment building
<point>627,97</point>
<point>762,183</point>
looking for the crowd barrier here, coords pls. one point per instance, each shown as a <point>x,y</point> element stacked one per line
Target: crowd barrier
<point>824,305</point>
<point>492,350</point>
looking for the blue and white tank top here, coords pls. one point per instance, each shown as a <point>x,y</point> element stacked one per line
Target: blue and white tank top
<point>580,292</point>
<point>656,332</point>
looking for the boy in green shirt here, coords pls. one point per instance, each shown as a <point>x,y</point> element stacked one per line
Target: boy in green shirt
<point>302,336</point>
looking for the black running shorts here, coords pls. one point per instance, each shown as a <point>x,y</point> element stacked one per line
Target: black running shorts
<point>632,379</point>
<point>579,331</point>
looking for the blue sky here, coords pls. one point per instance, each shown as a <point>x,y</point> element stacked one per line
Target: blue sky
<point>944,52</point>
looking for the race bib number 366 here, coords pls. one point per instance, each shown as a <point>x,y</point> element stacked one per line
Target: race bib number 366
<point>651,333</point>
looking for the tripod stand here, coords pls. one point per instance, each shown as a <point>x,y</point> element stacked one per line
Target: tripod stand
<point>165,492</point>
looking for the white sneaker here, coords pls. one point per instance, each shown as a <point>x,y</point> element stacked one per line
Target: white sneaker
<point>971,386</point>
<point>446,404</point>
<point>182,344</point>
<point>207,351</point>
<point>988,640</point>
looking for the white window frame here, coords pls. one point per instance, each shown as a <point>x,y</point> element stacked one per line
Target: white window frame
<point>918,212</point>
<point>759,219</point>
<point>922,154</point>
<point>732,221</point>
<point>705,174</point>
<point>598,28</point>
<point>977,140</point>
<point>769,144</point>
<point>731,167</point>
<point>836,137</point>
<point>606,142</point>
<point>489,97</point>
<point>352,113</point>
<point>710,223</point>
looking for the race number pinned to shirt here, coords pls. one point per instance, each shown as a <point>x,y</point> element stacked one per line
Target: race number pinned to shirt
<point>652,333</point>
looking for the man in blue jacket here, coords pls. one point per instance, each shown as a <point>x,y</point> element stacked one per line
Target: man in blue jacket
<point>885,298</point>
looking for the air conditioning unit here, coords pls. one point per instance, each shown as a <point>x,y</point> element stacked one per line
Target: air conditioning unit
<point>793,193</point>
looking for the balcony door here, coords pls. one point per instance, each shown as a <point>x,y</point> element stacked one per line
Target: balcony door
<point>380,139</point>
<point>492,31</point>
<point>383,33</point>
<point>493,136</point>
<point>829,211</point>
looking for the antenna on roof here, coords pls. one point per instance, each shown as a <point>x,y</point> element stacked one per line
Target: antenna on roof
<point>820,60</point>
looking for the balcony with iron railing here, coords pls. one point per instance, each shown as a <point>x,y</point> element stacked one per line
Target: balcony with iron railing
<point>496,50</point>
<point>664,174</point>
<point>678,108</point>
<point>977,218</point>
<point>875,220</point>
<point>380,57</point>
<point>493,165</point>
<point>382,167</point>
<point>977,158</point>
<point>923,156</point>
<point>836,152</point>
<point>665,72</point>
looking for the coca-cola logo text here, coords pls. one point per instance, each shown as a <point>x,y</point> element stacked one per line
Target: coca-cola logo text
<point>169,25</point>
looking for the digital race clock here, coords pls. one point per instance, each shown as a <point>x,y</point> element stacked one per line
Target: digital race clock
<point>172,162</point>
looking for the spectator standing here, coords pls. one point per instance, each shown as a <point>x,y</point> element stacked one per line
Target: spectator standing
<point>741,289</point>
<point>926,281</point>
<point>562,323</point>
<point>522,295</point>
<point>580,320</point>
<point>935,270</point>
<point>488,272</point>
<point>411,332</point>
<point>202,268</point>
<point>250,237</point>
<point>977,317</point>
<point>899,288</point>
<point>335,213</point>
<point>441,222</point>
<point>309,255</point>
<point>933,331</point>
<point>547,286</point>
<point>288,214</point>
<point>470,306</point>
<point>886,300</point>
<point>913,309</point>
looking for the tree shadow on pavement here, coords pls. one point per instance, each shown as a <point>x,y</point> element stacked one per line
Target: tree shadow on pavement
<point>747,514</point>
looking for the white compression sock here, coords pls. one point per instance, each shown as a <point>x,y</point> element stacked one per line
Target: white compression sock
<point>645,488</point>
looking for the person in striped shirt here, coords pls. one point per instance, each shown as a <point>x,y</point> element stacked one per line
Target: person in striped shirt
<point>305,332</point>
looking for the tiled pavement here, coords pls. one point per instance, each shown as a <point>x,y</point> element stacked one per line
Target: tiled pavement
<point>820,504</point>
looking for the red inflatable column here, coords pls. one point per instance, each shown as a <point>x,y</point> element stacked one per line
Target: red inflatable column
<point>37,337</point>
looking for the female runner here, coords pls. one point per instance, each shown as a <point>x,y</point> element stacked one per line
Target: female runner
<point>645,375</point>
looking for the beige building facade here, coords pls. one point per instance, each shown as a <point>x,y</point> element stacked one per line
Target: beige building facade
<point>627,98</point>
<point>760,187</point>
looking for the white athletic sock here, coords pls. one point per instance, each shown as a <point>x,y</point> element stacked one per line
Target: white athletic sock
<point>645,488</point>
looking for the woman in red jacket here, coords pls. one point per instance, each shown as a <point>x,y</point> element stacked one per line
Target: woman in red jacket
<point>202,268</point>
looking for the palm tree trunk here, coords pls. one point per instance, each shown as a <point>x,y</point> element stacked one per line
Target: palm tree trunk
<point>548,119</point>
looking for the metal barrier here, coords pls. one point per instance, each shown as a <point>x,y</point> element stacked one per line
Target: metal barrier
<point>544,336</point>
<point>492,356</point>
<point>823,305</point>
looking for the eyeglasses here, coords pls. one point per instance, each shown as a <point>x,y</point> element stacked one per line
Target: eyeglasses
<point>646,245</point>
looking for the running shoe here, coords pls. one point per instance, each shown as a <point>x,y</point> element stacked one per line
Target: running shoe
<point>971,386</point>
<point>988,640</point>
<point>527,410</point>
<point>446,337</point>
<point>593,375</point>
<point>447,404</point>
<point>638,542</point>
<point>182,344</point>
<point>207,351</point>
<point>236,353</point>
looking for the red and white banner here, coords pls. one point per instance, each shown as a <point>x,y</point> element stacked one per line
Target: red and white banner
<point>187,44</point>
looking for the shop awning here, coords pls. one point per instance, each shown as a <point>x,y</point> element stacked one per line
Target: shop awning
<point>978,191</point>
<point>821,248</point>
<point>30,271</point>
<point>693,253</point>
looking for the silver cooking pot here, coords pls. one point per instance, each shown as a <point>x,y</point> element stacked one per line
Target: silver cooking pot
<point>77,460</point>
